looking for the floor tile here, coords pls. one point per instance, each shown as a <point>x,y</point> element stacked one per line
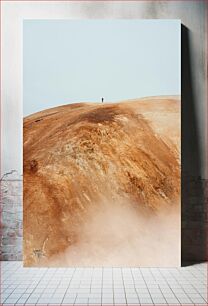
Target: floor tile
<point>131,286</point>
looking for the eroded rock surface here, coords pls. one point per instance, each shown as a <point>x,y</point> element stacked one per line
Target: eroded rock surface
<point>102,184</point>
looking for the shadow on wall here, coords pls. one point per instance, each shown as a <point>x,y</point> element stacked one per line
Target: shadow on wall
<point>193,202</point>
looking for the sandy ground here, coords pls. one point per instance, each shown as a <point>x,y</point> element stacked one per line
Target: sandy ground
<point>102,184</point>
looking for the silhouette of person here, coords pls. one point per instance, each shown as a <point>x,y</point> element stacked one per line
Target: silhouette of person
<point>102,100</point>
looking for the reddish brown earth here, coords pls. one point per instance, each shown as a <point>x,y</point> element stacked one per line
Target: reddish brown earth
<point>102,184</point>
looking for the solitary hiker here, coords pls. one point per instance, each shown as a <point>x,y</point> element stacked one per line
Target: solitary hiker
<point>102,100</point>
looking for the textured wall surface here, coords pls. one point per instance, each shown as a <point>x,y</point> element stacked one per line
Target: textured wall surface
<point>11,217</point>
<point>194,219</point>
<point>194,226</point>
<point>194,108</point>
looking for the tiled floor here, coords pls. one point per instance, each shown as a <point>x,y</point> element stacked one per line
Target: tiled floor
<point>103,286</point>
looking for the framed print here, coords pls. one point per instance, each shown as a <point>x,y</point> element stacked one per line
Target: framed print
<point>102,142</point>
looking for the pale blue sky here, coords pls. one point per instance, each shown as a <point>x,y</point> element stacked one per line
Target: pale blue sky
<point>67,61</point>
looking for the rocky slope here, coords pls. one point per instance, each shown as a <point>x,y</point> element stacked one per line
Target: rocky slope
<point>98,178</point>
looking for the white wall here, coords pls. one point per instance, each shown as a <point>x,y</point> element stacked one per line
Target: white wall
<point>191,13</point>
